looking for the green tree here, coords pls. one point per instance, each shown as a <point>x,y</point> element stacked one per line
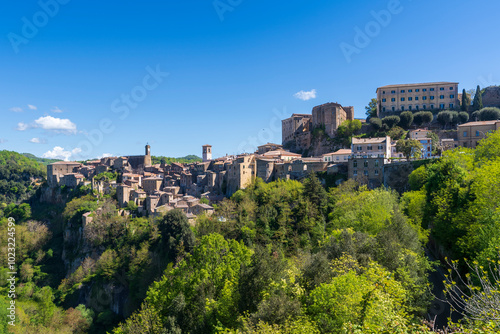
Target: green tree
<point>373,300</point>
<point>406,119</point>
<point>477,104</point>
<point>409,148</point>
<point>376,123</point>
<point>489,114</point>
<point>422,117</point>
<point>371,108</point>
<point>396,133</point>
<point>444,118</point>
<point>347,129</point>
<point>463,117</point>
<point>465,101</point>
<point>176,235</point>
<point>201,291</point>
<point>391,121</point>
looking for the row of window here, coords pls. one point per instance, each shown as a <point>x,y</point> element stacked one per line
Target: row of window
<point>424,107</point>
<point>478,133</point>
<point>418,90</point>
<point>452,96</point>
<point>369,148</point>
<point>355,164</point>
<point>355,173</point>
<point>338,158</point>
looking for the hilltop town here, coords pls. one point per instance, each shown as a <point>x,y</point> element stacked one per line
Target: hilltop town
<point>406,125</point>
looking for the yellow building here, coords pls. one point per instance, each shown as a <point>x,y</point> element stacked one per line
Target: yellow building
<point>393,99</point>
<point>469,134</point>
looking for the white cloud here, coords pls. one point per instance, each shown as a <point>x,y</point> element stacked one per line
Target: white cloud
<point>105,155</point>
<point>56,109</point>
<point>304,96</point>
<point>3,140</point>
<point>55,124</point>
<point>38,141</point>
<point>16,109</point>
<point>59,153</point>
<point>32,107</point>
<point>21,126</point>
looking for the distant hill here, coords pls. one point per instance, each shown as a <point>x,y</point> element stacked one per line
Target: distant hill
<point>184,160</point>
<point>43,161</point>
<point>19,176</point>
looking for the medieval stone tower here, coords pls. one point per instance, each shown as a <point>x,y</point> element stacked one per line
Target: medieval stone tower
<point>147,157</point>
<point>207,153</point>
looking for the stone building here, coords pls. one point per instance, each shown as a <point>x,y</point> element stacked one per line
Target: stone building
<point>295,125</point>
<point>57,170</point>
<point>72,180</point>
<point>393,99</point>
<point>140,161</point>
<point>469,134</point>
<point>152,184</point>
<point>331,116</point>
<point>381,147</point>
<point>123,194</point>
<point>369,155</point>
<point>268,147</point>
<point>207,152</point>
<point>241,173</point>
<point>491,96</point>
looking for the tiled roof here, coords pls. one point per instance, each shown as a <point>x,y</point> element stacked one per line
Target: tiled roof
<point>340,152</point>
<point>66,163</point>
<point>479,123</point>
<point>368,140</point>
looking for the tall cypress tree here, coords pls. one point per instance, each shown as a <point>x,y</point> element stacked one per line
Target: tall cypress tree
<point>465,101</point>
<point>478,100</point>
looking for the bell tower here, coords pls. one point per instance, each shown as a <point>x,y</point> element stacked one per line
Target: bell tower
<point>207,153</point>
<point>147,157</point>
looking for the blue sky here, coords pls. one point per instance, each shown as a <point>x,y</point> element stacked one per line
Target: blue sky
<point>234,67</point>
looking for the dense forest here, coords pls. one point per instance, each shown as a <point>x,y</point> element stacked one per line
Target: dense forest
<point>19,176</point>
<point>279,257</point>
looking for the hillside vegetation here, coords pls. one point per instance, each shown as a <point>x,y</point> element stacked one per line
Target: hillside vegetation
<point>19,177</point>
<point>279,257</point>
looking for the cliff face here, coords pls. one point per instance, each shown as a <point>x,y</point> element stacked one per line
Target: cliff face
<point>322,145</point>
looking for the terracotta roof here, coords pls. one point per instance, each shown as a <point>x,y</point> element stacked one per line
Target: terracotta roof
<point>281,152</point>
<point>479,123</point>
<point>66,163</point>
<point>368,140</point>
<point>340,152</point>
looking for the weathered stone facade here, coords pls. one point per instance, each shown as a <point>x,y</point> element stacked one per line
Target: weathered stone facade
<point>491,97</point>
<point>331,116</point>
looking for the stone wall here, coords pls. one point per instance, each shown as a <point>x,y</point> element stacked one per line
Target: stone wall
<point>491,96</point>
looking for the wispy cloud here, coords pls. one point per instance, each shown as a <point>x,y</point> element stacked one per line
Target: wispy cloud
<point>305,96</point>
<point>56,110</point>
<point>37,140</point>
<point>32,107</point>
<point>105,155</point>
<point>50,123</point>
<point>16,109</point>
<point>59,152</point>
<point>21,126</point>
<point>3,140</point>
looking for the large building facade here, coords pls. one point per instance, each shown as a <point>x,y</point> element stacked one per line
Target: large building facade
<point>394,99</point>
<point>469,134</point>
